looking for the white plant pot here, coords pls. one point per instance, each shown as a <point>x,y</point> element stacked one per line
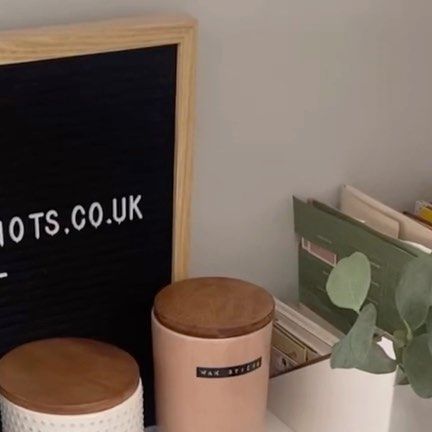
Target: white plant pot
<point>317,398</point>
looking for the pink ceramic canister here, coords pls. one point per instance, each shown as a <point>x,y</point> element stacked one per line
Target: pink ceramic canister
<point>211,345</point>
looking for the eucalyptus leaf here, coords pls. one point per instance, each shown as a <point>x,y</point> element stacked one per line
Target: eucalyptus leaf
<point>429,329</point>
<point>398,353</point>
<point>409,331</point>
<point>352,351</point>
<point>349,282</point>
<point>401,378</point>
<point>400,338</point>
<point>377,361</point>
<point>418,366</point>
<point>414,292</point>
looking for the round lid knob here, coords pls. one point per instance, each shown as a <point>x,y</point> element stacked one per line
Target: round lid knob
<point>214,307</point>
<point>68,376</point>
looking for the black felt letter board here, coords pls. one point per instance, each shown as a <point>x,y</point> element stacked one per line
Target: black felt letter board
<point>86,198</point>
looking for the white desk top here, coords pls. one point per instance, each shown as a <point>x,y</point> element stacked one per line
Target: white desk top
<point>273,425</point>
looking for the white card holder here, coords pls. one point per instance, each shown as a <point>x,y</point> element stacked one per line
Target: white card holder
<point>312,397</point>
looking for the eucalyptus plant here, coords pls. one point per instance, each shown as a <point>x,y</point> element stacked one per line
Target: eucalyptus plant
<point>348,286</point>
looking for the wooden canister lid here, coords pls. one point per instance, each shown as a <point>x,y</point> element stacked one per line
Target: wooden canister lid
<point>214,307</point>
<point>68,376</point>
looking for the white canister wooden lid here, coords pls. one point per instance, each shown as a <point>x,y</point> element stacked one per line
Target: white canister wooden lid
<point>68,376</point>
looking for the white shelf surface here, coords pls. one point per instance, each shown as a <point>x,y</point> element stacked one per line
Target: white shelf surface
<point>273,425</point>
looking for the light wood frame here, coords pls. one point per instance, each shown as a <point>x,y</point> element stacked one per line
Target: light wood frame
<point>45,43</point>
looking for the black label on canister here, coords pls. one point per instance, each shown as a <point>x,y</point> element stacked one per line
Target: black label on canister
<point>229,372</point>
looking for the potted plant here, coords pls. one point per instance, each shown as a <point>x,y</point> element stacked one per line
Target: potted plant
<point>348,285</point>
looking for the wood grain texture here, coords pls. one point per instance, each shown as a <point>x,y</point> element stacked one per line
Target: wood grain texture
<point>214,307</point>
<point>185,127</point>
<point>123,34</point>
<point>68,376</point>
<point>52,42</point>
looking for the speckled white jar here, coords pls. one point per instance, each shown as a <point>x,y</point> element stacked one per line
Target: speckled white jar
<point>126,417</point>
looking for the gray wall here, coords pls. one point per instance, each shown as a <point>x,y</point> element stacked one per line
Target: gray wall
<point>294,97</point>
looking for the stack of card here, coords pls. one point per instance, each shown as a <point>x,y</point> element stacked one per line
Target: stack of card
<point>411,227</point>
<point>422,213</point>
<point>299,338</point>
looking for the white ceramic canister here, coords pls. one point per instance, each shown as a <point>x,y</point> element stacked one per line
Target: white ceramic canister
<point>125,417</point>
<point>70,385</point>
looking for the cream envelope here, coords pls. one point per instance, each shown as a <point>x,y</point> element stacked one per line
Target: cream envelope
<point>383,218</point>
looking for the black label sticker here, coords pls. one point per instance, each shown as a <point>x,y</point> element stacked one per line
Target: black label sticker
<point>228,372</point>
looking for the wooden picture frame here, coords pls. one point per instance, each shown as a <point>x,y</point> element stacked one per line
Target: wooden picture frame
<point>53,42</point>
